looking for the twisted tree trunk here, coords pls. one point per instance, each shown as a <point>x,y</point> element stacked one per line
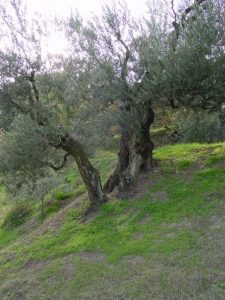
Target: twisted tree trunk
<point>135,155</point>
<point>122,163</point>
<point>140,152</point>
<point>89,174</point>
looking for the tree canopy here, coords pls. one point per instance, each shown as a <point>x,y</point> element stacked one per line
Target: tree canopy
<point>116,71</point>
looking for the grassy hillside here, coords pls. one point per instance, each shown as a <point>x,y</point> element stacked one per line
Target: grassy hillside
<point>167,242</point>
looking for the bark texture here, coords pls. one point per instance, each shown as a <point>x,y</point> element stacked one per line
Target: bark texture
<point>135,154</point>
<point>122,163</point>
<point>89,174</point>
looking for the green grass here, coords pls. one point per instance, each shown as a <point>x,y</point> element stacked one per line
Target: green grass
<point>72,185</point>
<point>182,156</point>
<point>61,195</point>
<point>17,215</point>
<point>183,164</point>
<point>160,130</point>
<point>157,230</point>
<point>6,236</point>
<point>3,205</point>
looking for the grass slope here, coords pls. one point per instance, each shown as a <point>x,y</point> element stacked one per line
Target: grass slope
<point>167,243</point>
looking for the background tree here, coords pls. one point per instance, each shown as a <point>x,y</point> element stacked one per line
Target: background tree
<point>190,58</point>
<point>38,100</point>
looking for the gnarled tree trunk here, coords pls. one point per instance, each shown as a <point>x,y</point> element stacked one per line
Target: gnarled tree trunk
<point>140,152</point>
<point>142,145</point>
<point>122,163</point>
<point>89,174</point>
<point>135,154</point>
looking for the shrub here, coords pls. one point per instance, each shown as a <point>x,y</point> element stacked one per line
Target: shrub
<point>62,195</point>
<point>17,215</point>
<point>201,127</point>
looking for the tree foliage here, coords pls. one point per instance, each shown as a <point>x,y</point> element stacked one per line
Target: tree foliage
<point>40,98</point>
<point>189,58</point>
<point>201,126</point>
<point>116,72</point>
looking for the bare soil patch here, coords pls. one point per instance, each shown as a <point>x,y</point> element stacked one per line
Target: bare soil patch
<point>133,260</point>
<point>138,235</point>
<point>214,196</point>
<point>160,196</point>
<point>95,256</point>
<point>145,220</point>
<point>55,223</point>
<point>36,265</point>
<point>144,183</point>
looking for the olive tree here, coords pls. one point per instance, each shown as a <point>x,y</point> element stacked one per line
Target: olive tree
<point>110,44</point>
<point>37,98</point>
<point>191,58</point>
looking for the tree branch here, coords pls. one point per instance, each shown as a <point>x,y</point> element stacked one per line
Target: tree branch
<point>172,103</point>
<point>127,56</point>
<point>62,165</point>
<point>190,8</point>
<point>175,24</point>
<point>32,80</point>
<point>16,105</point>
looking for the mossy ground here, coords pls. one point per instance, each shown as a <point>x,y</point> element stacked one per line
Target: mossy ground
<point>166,244</point>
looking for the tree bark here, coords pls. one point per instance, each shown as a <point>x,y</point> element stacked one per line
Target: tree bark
<point>89,174</point>
<point>140,152</point>
<point>135,155</point>
<point>142,143</point>
<point>122,163</point>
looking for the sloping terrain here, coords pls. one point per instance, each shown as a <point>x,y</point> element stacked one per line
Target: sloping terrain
<point>166,242</point>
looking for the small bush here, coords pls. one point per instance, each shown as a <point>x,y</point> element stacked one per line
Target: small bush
<point>183,164</point>
<point>62,192</point>
<point>51,207</point>
<point>201,127</point>
<point>74,214</point>
<point>17,215</point>
<point>79,190</point>
<point>62,195</point>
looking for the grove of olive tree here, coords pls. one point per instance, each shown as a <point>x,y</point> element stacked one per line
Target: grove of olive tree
<point>116,71</point>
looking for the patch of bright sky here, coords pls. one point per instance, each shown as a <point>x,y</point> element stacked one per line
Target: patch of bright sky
<point>86,8</point>
<point>62,9</point>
